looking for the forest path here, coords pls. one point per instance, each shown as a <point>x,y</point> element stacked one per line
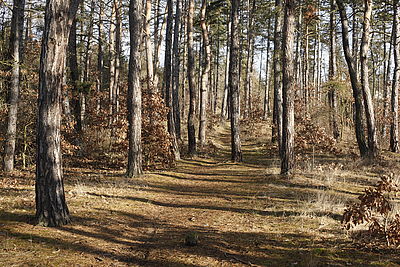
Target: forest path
<point>244,214</point>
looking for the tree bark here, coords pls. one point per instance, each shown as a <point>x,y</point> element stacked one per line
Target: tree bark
<point>287,151</point>
<point>51,207</point>
<point>15,58</point>
<point>191,82</point>
<point>134,100</point>
<point>236,147</point>
<point>369,106</point>
<point>357,94</point>
<point>394,128</point>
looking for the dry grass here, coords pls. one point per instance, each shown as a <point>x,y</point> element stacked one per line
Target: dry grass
<point>244,214</point>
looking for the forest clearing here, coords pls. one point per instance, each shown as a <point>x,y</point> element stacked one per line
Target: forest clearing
<point>245,214</point>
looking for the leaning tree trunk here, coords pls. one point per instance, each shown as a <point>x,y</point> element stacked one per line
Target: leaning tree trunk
<point>369,106</point>
<point>394,128</point>
<point>134,100</point>
<point>357,94</point>
<point>15,57</point>
<point>277,66</point>
<point>287,148</point>
<point>51,207</point>
<point>191,82</point>
<point>204,76</point>
<point>236,147</point>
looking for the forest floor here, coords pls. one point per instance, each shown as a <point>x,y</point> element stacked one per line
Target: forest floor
<point>243,214</point>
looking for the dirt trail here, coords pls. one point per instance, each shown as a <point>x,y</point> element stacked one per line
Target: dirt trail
<point>244,215</point>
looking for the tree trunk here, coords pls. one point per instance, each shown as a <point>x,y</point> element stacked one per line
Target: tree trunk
<point>15,58</point>
<point>100,57</point>
<point>225,101</point>
<point>204,76</point>
<point>51,207</point>
<point>332,95</point>
<point>249,63</point>
<point>74,76</point>
<point>357,94</point>
<point>176,71</point>
<point>277,112</point>
<point>267,78</point>
<point>387,84</point>
<point>216,74</point>
<point>306,86</point>
<point>369,106</point>
<point>158,38</point>
<point>115,51</point>
<point>394,128</point>
<point>287,150</point>
<point>149,48</point>
<point>168,78</point>
<point>191,82</point>
<point>88,43</point>
<point>134,100</point>
<point>236,147</point>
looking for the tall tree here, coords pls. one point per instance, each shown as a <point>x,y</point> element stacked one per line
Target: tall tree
<point>225,99</point>
<point>149,48</point>
<point>236,147</point>
<point>357,94</point>
<point>191,81</point>
<point>332,94</point>
<point>287,148</point>
<point>369,106</point>
<point>15,58</point>
<point>394,129</point>
<point>100,56</point>
<point>134,91</point>
<point>168,78</point>
<point>249,60</point>
<point>74,77</point>
<point>277,66</point>
<point>115,54</point>
<point>267,77</point>
<point>51,207</point>
<point>204,75</point>
<point>176,70</point>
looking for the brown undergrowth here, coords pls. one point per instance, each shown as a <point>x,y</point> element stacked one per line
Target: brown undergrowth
<point>243,214</point>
